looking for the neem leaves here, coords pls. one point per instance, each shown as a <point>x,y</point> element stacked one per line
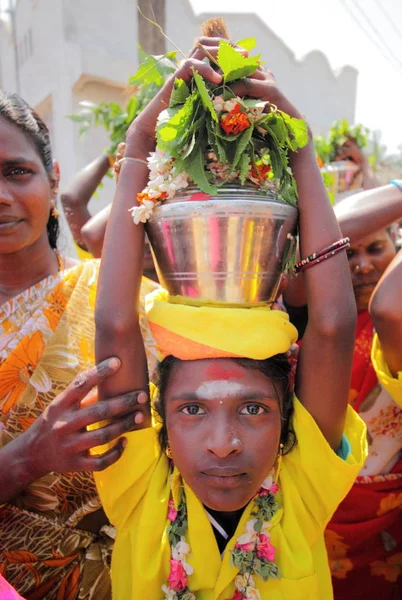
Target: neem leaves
<point>233,64</point>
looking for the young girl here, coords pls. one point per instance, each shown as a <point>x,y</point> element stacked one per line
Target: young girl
<point>229,495</point>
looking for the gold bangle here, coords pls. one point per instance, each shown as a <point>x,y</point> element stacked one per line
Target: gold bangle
<point>132,159</point>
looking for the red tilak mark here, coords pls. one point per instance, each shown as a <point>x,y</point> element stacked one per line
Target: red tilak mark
<point>217,371</point>
<point>199,196</point>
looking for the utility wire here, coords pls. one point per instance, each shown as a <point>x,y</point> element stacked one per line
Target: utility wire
<point>376,32</point>
<point>368,35</point>
<point>388,18</point>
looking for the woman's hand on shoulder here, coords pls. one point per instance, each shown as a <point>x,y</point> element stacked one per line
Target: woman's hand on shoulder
<point>59,439</point>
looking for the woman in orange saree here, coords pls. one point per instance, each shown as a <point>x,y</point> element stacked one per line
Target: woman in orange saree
<point>55,541</point>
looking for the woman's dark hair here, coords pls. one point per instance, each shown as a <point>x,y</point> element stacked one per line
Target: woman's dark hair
<point>17,112</point>
<point>277,369</point>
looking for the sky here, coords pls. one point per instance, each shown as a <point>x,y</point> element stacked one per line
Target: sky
<point>366,34</point>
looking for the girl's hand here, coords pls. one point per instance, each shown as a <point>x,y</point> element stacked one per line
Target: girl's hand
<point>262,85</point>
<point>59,440</point>
<point>141,133</point>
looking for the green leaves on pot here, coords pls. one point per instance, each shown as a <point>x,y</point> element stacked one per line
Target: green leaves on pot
<point>233,64</point>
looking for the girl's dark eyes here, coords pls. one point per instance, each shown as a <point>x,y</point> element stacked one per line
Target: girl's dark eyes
<point>193,410</point>
<point>249,410</point>
<point>253,410</point>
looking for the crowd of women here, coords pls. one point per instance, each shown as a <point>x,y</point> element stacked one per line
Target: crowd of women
<point>218,480</point>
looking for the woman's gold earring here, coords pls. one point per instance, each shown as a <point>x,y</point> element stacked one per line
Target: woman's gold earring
<point>54,212</point>
<point>278,462</point>
<point>168,452</point>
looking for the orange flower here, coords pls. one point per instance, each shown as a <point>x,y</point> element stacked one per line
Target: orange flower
<point>262,171</point>
<point>390,569</point>
<point>341,567</point>
<point>57,304</point>
<point>389,503</point>
<point>320,162</point>
<point>335,544</point>
<point>144,196</point>
<point>235,122</point>
<point>16,371</point>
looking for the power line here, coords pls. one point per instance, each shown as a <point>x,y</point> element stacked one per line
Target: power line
<point>376,32</point>
<point>368,35</point>
<point>388,18</point>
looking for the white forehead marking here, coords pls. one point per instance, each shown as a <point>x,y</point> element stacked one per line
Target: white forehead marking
<point>212,390</point>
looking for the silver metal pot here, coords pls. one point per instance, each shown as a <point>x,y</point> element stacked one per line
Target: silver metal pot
<point>342,174</point>
<point>226,248</point>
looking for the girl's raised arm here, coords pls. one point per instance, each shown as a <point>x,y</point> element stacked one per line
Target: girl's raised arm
<point>117,326</point>
<point>325,361</point>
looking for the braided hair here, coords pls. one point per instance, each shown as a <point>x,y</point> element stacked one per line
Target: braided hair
<point>17,112</point>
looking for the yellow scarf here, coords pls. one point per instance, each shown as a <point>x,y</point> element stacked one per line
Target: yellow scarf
<point>197,332</point>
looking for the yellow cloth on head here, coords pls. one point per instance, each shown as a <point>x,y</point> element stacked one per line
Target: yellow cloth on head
<point>196,332</point>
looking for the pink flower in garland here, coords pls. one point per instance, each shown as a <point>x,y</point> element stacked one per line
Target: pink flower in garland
<point>264,548</point>
<point>177,579</point>
<point>238,596</point>
<point>172,514</point>
<point>247,547</point>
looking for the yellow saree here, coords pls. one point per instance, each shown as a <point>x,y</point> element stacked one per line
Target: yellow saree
<point>47,337</point>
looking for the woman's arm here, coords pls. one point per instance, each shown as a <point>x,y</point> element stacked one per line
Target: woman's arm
<point>386,311</point>
<point>77,196</point>
<point>93,232</point>
<point>58,440</point>
<point>358,216</point>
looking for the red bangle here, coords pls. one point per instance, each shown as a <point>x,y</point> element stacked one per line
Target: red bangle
<point>317,257</point>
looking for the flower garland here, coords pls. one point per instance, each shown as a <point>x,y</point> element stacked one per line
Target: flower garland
<point>253,554</point>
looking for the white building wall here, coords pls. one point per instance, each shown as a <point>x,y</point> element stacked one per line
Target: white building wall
<point>73,50</point>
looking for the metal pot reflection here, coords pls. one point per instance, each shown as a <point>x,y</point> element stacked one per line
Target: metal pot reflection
<point>227,248</point>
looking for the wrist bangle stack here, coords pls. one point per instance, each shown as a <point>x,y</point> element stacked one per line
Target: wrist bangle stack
<point>324,254</point>
<point>397,183</point>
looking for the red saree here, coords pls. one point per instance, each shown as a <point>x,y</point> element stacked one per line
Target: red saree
<point>364,537</point>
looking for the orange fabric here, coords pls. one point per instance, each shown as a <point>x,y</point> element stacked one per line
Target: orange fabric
<point>183,348</point>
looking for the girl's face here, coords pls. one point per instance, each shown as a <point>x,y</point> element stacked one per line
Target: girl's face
<point>367,262</point>
<point>224,426</point>
<point>25,191</point>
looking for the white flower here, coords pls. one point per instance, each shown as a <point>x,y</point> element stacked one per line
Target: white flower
<point>142,213</point>
<point>230,104</point>
<point>179,552</point>
<point>250,535</point>
<point>243,581</point>
<point>218,103</point>
<point>267,483</point>
<point>169,594</point>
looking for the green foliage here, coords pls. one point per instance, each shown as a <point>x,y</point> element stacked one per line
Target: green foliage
<point>233,64</point>
<point>149,78</point>
<point>327,147</point>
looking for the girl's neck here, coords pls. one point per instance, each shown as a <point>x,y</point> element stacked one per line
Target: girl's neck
<point>23,269</point>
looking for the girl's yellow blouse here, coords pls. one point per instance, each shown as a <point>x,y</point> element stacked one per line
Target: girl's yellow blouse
<point>313,481</point>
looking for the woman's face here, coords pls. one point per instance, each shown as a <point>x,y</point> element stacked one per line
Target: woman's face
<point>224,426</point>
<point>367,261</point>
<point>25,191</point>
